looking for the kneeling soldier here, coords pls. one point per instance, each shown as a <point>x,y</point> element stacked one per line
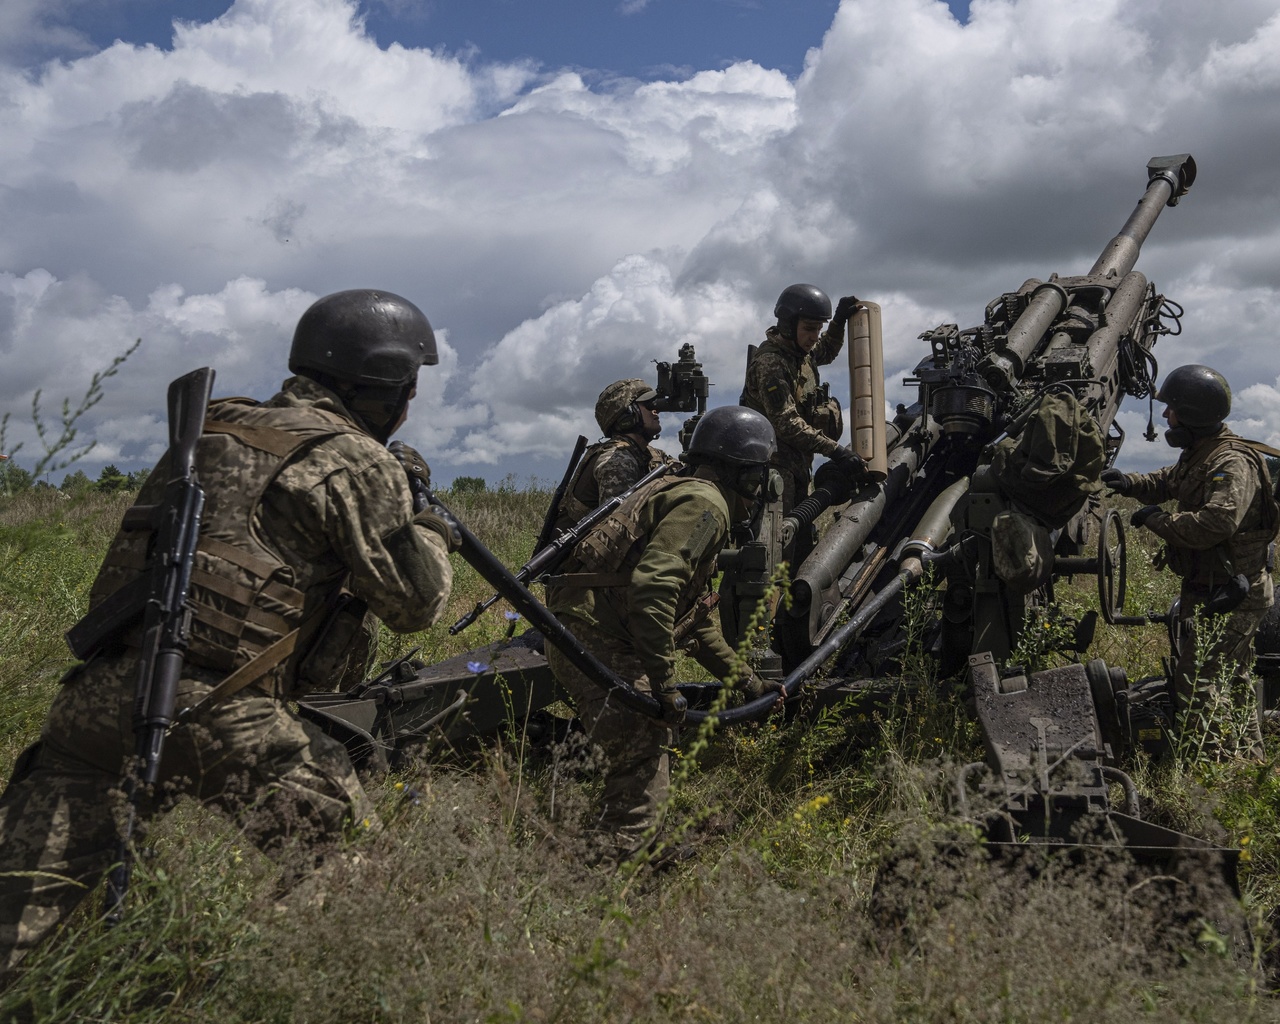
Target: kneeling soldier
<point>307,522</point>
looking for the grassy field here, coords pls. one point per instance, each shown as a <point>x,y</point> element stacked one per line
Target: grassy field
<point>830,883</point>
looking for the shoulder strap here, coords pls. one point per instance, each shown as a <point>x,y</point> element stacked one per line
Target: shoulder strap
<point>250,672</point>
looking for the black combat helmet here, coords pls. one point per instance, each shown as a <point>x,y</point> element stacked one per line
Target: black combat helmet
<point>1199,395</point>
<point>734,434</point>
<point>363,337</point>
<point>802,302</point>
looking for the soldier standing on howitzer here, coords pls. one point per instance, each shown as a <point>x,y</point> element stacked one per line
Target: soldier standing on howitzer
<point>634,587</point>
<point>627,417</point>
<point>1219,539</point>
<point>783,383</point>
<point>308,521</point>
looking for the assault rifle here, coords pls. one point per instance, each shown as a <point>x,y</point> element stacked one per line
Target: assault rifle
<point>159,596</point>
<point>558,549</point>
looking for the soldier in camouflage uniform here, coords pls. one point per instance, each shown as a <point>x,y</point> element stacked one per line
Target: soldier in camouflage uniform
<point>629,422</point>
<point>308,521</point>
<point>637,582</point>
<point>783,383</point>
<point>1223,527</point>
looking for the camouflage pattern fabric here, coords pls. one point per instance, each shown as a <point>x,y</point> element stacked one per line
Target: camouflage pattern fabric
<point>783,383</point>
<point>607,469</point>
<point>683,526</point>
<point>1219,528</point>
<point>1206,690</point>
<point>339,508</point>
<point>630,629</point>
<point>637,769</point>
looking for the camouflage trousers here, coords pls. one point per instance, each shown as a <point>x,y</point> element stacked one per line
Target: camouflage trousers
<point>637,773</point>
<point>1212,683</point>
<point>286,784</point>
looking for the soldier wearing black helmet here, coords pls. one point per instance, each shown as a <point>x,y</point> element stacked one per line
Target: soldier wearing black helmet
<point>637,582</point>
<point>627,418</point>
<point>783,383</point>
<point>308,521</point>
<point>1219,538</point>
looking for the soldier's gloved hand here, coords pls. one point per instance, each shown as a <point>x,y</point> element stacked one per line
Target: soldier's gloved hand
<point>440,519</point>
<point>844,309</point>
<point>417,470</point>
<point>1139,518</point>
<point>756,686</point>
<point>849,461</point>
<point>1116,482</point>
<point>674,704</point>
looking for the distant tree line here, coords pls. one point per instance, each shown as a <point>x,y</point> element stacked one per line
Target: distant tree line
<point>14,480</point>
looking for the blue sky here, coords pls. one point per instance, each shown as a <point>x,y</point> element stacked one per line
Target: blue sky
<point>639,38</point>
<point>572,196</point>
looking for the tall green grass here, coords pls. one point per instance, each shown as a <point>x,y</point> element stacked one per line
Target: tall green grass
<point>830,882</point>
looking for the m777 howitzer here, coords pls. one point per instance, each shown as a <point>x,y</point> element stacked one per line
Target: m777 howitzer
<point>989,483</point>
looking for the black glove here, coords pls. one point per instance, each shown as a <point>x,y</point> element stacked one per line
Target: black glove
<point>440,519</point>
<point>756,686</point>
<point>1116,482</point>
<point>416,468</point>
<point>1139,518</point>
<point>844,309</point>
<point>674,705</point>
<point>853,464</point>
<point>1228,597</point>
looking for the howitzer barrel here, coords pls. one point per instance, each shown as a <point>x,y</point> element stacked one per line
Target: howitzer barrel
<point>1168,179</point>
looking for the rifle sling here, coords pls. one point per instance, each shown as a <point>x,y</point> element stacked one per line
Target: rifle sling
<point>247,674</point>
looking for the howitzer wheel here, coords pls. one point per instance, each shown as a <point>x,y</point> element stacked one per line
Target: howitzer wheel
<point>1113,571</point>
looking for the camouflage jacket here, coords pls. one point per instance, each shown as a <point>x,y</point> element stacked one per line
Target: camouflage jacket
<point>606,469</point>
<point>683,527</point>
<point>1225,518</point>
<point>783,384</point>
<point>300,501</point>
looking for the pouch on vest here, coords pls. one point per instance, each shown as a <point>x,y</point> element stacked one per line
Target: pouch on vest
<point>606,547</point>
<point>344,644</point>
<point>1201,568</point>
<point>828,418</point>
<point>1021,551</point>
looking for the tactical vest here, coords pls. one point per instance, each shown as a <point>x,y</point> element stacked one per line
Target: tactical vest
<point>247,615</point>
<point>1247,550</point>
<point>606,557</point>
<point>583,493</point>
<point>813,400</point>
